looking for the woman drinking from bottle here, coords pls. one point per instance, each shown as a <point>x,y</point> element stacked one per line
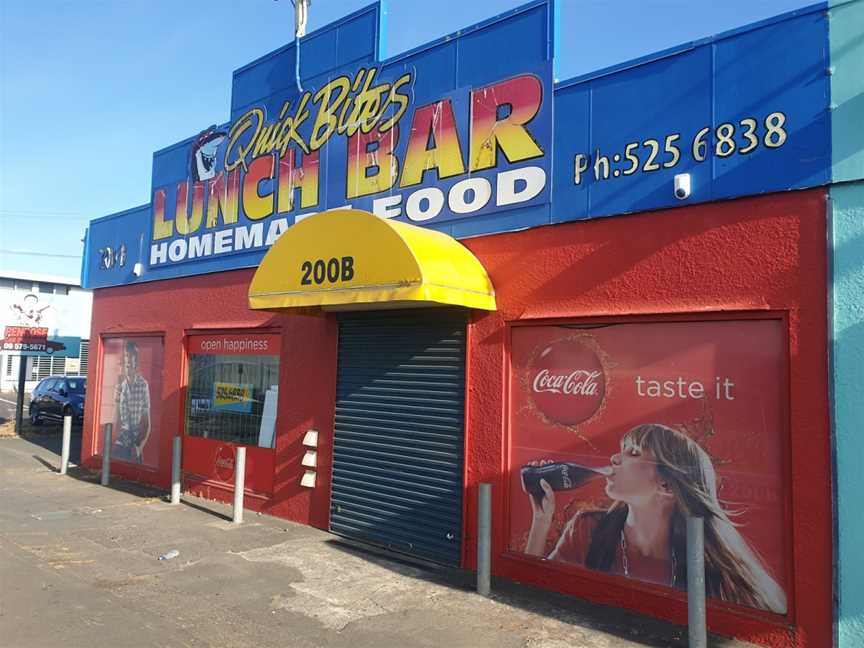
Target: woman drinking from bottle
<point>658,478</point>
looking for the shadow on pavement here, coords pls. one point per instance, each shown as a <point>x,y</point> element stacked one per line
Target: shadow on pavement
<point>623,624</point>
<point>206,509</point>
<point>115,483</point>
<point>616,622</point>
<point>47,464</point>
<point>50,438</point>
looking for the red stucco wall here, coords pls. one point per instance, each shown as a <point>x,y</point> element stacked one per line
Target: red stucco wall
<point>181,307</point>
<point>753,254</point>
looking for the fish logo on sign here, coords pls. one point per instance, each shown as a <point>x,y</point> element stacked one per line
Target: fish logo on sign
<point>203,154</point>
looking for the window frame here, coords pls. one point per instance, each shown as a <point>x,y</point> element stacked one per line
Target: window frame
<point>273,335</point>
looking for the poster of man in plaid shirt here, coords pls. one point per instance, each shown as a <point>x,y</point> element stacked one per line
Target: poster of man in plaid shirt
<point>132,395</point>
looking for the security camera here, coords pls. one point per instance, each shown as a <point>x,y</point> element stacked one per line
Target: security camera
<point>682,186</point>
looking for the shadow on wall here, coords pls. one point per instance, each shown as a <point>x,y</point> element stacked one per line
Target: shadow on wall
<point>847,356</point>
<point>675,247</point>
<point>307,390</point>
<point>848,371</point>
<point>849,112</point>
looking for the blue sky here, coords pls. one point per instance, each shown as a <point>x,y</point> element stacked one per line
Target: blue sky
<point>90,88</point>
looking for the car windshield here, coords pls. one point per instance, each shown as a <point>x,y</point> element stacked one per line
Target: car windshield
<point>77,386</point>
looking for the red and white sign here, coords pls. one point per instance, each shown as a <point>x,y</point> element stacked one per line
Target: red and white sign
<point>26,333</point>
<point>235,344</point>
<point>567,381</point>
<point>25,338</point>
<point>225,458</point>
<point>635,424</point>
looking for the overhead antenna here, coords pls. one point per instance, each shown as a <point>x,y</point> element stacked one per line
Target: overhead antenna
<point>301,18</point>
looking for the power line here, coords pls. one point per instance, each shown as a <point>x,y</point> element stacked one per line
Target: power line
<point>37,212</point>
<point>41,254</point>
<point>52,215</point>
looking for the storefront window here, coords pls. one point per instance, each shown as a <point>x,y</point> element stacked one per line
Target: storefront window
<point>618,432</point>
<point>131,397</point>
<point>233,388</point>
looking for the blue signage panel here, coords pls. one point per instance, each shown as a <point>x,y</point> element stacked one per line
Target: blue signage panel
<point>460,136</point>
<point>59,347</point>
<point>741,114</point>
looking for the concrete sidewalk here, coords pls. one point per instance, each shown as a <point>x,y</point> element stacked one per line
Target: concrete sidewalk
<point>79,567</point>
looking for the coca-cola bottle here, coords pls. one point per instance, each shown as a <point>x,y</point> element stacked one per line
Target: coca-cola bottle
<point>560,476</point>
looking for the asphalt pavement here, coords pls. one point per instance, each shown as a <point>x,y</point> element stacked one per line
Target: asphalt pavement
<point>79,566</point>
<point>7,406</point>
<point>48,434</point>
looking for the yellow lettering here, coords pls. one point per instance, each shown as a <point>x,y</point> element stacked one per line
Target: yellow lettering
<point>222,196</point>
<point>187,223</point>
<point>325,120</point>
<point>288,129</point>
<point>161,228</point>
<point>396,98</point>
<point>266,141</point>
<point>254,116</point>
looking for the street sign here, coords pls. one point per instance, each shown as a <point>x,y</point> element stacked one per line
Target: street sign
<point>33,341</point>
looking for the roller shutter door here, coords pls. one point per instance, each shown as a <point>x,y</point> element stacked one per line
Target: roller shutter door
<point>399,437</point>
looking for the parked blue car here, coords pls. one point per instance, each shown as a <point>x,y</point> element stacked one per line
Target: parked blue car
<point>57,396</point>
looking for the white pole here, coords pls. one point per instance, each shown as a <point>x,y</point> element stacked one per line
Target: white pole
<point>67,442</point>
<point>484,540</point>
<point>239,484</point>
<point>696,626</point>
<point>106,452</point>
<point>175,470</point>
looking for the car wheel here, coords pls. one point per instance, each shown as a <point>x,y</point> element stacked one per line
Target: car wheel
<point>35,418</point>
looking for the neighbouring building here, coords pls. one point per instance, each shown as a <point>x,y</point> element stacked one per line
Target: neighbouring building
<point>57,303</point>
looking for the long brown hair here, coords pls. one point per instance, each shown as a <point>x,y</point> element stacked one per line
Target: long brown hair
<point>733,571</point>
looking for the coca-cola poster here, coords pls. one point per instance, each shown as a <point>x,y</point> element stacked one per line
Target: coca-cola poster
<point>618,431</point>
<point>130,397</point>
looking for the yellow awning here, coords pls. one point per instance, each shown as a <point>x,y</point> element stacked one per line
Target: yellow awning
<point>347,257</point>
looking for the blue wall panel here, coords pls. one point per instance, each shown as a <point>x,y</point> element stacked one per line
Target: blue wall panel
<point>439,71</point>
<point>353,39</point>
<point>490,54</point>
<point>780,68</point>
<point>113,244</point>
<point>700,109</point>
<point>572,116</point>
<point>171,164</point>
<point>711,102</point>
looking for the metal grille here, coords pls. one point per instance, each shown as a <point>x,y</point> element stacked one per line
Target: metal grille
<point>8,365</point>
<point>44,366</point>
<point>399,437</point>
<point>203,420</point>
<point>84,355</point>
<point>58,366</point>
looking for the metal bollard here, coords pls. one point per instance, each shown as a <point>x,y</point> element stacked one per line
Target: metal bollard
<point>484,540</point>
<point>107,435</point>
<point>696,626</point>
<point>67,442</point>
<point>175,470</point>
<point>239,484</point>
